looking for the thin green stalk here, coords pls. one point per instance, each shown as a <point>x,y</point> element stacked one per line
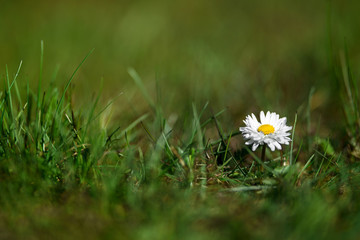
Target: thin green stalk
<point>292,141</point>
<point>68,83</point>
<point>263,151</point>
<point>306,166</point>
<point>9,92</point>
<point>40,74</point>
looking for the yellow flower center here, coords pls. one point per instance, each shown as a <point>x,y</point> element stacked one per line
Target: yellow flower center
<point>266,129</point>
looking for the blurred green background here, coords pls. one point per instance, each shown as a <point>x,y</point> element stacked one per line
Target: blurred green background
<point>243,55</point>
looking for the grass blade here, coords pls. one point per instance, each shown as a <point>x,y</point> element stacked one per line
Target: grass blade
<point>306,166</point>
<point>292,141</point>
<point>135,76</point>
<point>41,73</point>
<point>68,83</point>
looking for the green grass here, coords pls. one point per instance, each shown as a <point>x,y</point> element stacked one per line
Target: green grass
<point>66,174</point>
<point>139,139</point>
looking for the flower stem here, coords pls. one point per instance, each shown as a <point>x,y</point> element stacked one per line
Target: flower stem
<point>263,157</point>
<point>263,153</point>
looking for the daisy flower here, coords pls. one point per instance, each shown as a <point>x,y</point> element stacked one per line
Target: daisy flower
<point>271,130</point>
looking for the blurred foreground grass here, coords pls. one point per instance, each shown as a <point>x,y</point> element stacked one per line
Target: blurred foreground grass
<point>130,148</point>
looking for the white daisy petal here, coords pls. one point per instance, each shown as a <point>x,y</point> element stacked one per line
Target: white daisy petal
<point>262,117</point>
<point>286,128</point>
<point>268,116</point>
<point>254,147</point>
<point>272,118</point>
<point>271,146</point>
<point>277,145</point>
<point>282,120</point>
<point>254,117</point>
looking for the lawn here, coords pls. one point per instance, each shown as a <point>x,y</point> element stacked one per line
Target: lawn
<point>121,119</point>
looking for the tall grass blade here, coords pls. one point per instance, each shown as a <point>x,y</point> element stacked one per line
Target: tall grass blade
<point>40,74</point>
<point>306,166</point>
<point>292,141</point>
<point>135,76</point>
<point>68,83</point>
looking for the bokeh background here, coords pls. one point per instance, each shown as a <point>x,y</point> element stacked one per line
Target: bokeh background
<point>241,55</point>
